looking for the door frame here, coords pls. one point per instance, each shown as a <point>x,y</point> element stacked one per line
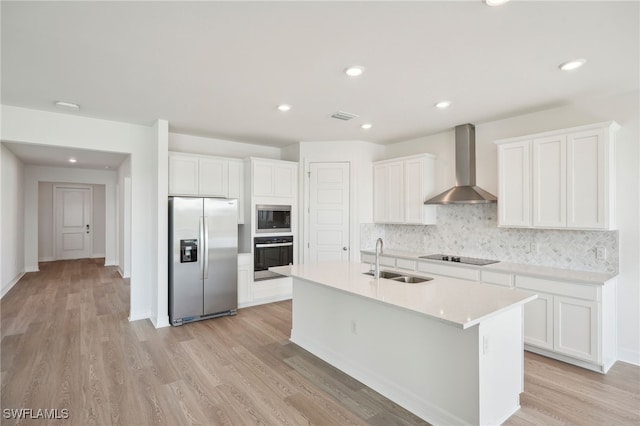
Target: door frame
<point>56,236</point>
<point>304,247</point>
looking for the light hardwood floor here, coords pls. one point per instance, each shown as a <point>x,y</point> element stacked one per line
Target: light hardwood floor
<point>67,344</point>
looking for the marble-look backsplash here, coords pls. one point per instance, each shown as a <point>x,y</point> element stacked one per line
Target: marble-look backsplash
<point>472,231</point>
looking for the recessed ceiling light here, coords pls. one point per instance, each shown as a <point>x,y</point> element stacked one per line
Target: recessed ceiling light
<point>72,160</point>
<point>67,105</point>
<point>494,2</point>
<point>443,104</point>
<point>367,126</point>
<point>284,107</point>
<point>572,65</point>
<point>354,71</point>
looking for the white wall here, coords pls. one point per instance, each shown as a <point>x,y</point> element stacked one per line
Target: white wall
<point>124,218</point>
<point>624,109</point>
<point>46,226</point>
<point>208,146</point>
<point>23,125</point>
<point>12,263</point>
<point>45,222</point>
<point>160,307</point>
<point>99,212</point>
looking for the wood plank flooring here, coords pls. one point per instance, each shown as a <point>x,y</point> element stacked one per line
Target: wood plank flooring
<point>67,345</point>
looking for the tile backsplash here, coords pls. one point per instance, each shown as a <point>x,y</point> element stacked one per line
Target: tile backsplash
<point>472,230</point>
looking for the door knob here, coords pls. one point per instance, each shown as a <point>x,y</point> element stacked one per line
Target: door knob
<point>345,248</point>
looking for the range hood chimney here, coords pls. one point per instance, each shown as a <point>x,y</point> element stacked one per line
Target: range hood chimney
<point>465,191</point>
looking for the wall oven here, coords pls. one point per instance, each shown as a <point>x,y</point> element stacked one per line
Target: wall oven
<point>273,218</point>
<point>271,251</point>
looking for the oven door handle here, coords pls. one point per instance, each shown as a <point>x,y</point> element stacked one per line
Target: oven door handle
<point>273,245</point>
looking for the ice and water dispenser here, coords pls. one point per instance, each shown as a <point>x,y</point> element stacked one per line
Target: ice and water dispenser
<point>188,251</point>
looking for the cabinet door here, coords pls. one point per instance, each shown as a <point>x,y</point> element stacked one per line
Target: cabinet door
<point>585,180</point>
<point>380,173</point>
<point>538,322</point>
<point>262,180</point>
<point>245,278</point>
<point>183,175</point>
<point>284,180</point>
<point>214,177</point>
<point>514,177</point>
<point>576,328</point>
<point>236,186</point>
<point>395,192</point>
<point>549,182</point>
<point>413,191</point>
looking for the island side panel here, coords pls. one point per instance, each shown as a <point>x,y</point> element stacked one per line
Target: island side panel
<point>426,366</point>
<point>501,366</point>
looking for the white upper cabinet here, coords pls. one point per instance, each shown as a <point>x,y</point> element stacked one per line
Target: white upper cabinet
<point>274,178</point>
<point>514,193</point>
<point>590,196</point>
<point>214,177</point>
<point>560,179</point>
<point>183,175</point>
<point>550,182</point>
<point>401,186</point>
<point>207,176</point>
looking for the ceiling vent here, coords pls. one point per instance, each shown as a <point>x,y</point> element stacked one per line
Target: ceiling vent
<point>341,115</point>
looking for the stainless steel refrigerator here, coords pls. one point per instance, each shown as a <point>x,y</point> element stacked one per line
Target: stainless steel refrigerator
<point>203,258</point>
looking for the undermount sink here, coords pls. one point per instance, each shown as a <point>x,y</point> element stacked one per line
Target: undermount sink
<point>385,274</point>
<point>409,279</point>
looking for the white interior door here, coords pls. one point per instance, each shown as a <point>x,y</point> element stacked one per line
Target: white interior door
<point>329,212</point>
<point>73,222</point>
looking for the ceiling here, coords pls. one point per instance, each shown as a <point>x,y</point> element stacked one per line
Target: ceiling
<point>46,155</point>
<point>219,69</point>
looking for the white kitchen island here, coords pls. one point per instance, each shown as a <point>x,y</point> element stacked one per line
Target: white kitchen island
<point>448,350</point>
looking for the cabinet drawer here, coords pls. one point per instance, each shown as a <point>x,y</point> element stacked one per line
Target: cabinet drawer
<point>367,258</point>
<point>386,261</point>
<point>450,271</point>
<point>498,278</point>
<point>588,292</point>
<point>406,264</point>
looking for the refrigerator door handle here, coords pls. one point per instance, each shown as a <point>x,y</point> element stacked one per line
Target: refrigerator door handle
<point>205,253</point>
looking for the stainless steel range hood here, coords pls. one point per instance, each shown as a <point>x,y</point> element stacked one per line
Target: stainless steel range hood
<point>465,191</point>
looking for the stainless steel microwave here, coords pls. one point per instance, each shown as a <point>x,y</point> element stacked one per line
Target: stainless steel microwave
<point>273,218</point>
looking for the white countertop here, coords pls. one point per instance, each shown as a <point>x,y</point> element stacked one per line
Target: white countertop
<point>457,302</point>
<point>584,277</point>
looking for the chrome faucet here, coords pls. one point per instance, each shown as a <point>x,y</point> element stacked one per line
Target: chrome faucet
<point>376,272</point>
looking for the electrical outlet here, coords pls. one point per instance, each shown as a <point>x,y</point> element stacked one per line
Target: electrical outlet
<point>601,253</point>
<point>534,248</point>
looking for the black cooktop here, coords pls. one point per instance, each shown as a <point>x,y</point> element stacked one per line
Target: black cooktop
<point>459,259</point>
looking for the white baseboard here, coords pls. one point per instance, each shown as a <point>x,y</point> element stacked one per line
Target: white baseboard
<point>110,262</point>
<point>32,268</point>
<point>264,301</point>
<point>137,316</point>
<point>121,272</point>
<point>97,255</point>
<point>10,285</point>
<point>46,259</point>
<point>629,356</point>
<point>163,322</point>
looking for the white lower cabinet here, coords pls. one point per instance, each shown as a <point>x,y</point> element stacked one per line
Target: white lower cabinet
<point>245,277</point>
<point>576,328</point>
<point>538,322</point>
<point>576,324</point>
